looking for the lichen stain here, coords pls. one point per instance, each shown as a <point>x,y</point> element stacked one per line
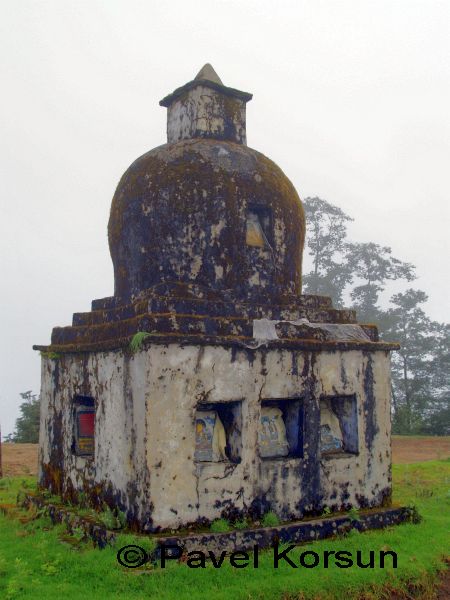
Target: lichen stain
<point>371,427</point>
<point>143,217</point>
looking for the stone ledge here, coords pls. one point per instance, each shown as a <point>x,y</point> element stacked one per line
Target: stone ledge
<point>292,533</point>
<point>243,343</point>
<point>223,89</point>
<point>215,308</point>
<point>185,324</point>
<point>297,532</point>
<point>93,530</point>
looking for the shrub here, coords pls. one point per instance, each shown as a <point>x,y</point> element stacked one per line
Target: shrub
<point>270,519</point>
<point>220,526</point>
<point>354,514</point>
<point>113,519</point>
<point>137,340</point>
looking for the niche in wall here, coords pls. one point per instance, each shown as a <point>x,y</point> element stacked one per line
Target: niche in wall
<point>218,432</point>
<point>338,425</point>
<point>259,226</point>
<point>84,426</point>
<point>280,431</point>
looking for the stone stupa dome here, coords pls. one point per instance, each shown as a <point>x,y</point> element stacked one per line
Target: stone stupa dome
<point>205,209</point>
<point>206,237</point>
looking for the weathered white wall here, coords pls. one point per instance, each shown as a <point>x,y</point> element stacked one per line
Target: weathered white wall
<point>120,451</point>
<point>204,112</point>
<point>145,429</point>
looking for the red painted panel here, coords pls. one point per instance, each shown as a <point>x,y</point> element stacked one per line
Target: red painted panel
<point>86,422</point>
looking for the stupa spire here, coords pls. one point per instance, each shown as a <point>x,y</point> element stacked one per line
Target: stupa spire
<point>206,108</point>
<point>208,73</point>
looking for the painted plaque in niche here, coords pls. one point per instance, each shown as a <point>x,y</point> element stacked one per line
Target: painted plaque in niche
<point>210,439</point>
<point>272,433</point>
<point>330,430</point>
<point>255,234</point>
<point>85,430</point>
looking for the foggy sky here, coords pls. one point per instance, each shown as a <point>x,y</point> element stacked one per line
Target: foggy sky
<point>351,100</point>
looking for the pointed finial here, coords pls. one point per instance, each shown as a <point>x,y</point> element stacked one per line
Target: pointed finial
<point>207,72</point>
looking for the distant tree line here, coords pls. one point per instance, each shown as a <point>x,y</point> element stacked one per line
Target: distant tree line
<point>361,272</point>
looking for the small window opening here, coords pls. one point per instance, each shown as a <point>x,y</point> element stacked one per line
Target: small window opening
<point>218,432</point>
<point>258,227</point>
<point>281,428</point>
<point>338,425</point>
<point>84,426</point>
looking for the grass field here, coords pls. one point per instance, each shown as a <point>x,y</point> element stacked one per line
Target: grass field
<point>38,560</point>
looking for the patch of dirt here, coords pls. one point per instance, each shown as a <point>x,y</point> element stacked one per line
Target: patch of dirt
<point>443,591</point>
<point>407,449</point>
<point>22,459</point>
<point>440,590</point>
<point>19,459</point>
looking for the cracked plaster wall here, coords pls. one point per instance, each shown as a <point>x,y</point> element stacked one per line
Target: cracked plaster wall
<point>145,431</point>
<point>204,112</point>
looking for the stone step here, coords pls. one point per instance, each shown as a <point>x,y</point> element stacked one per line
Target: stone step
<point>153,323</point>
<point>200,307</point>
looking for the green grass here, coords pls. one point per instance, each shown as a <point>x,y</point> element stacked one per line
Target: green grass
<point>244,524</point>
<point>270,519</point>
<point>220,526</point>
<point>407,436</point>
<point>35,563</point>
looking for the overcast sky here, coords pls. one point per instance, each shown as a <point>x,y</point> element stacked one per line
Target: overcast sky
<point>351,99</point>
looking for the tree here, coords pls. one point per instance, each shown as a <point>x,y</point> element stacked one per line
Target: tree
<point>437,415</point>
<point>326,233</point>
<point>27,425</point>
<point>374,265</point>
<point>420,370</point>
<point>420,367</point>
